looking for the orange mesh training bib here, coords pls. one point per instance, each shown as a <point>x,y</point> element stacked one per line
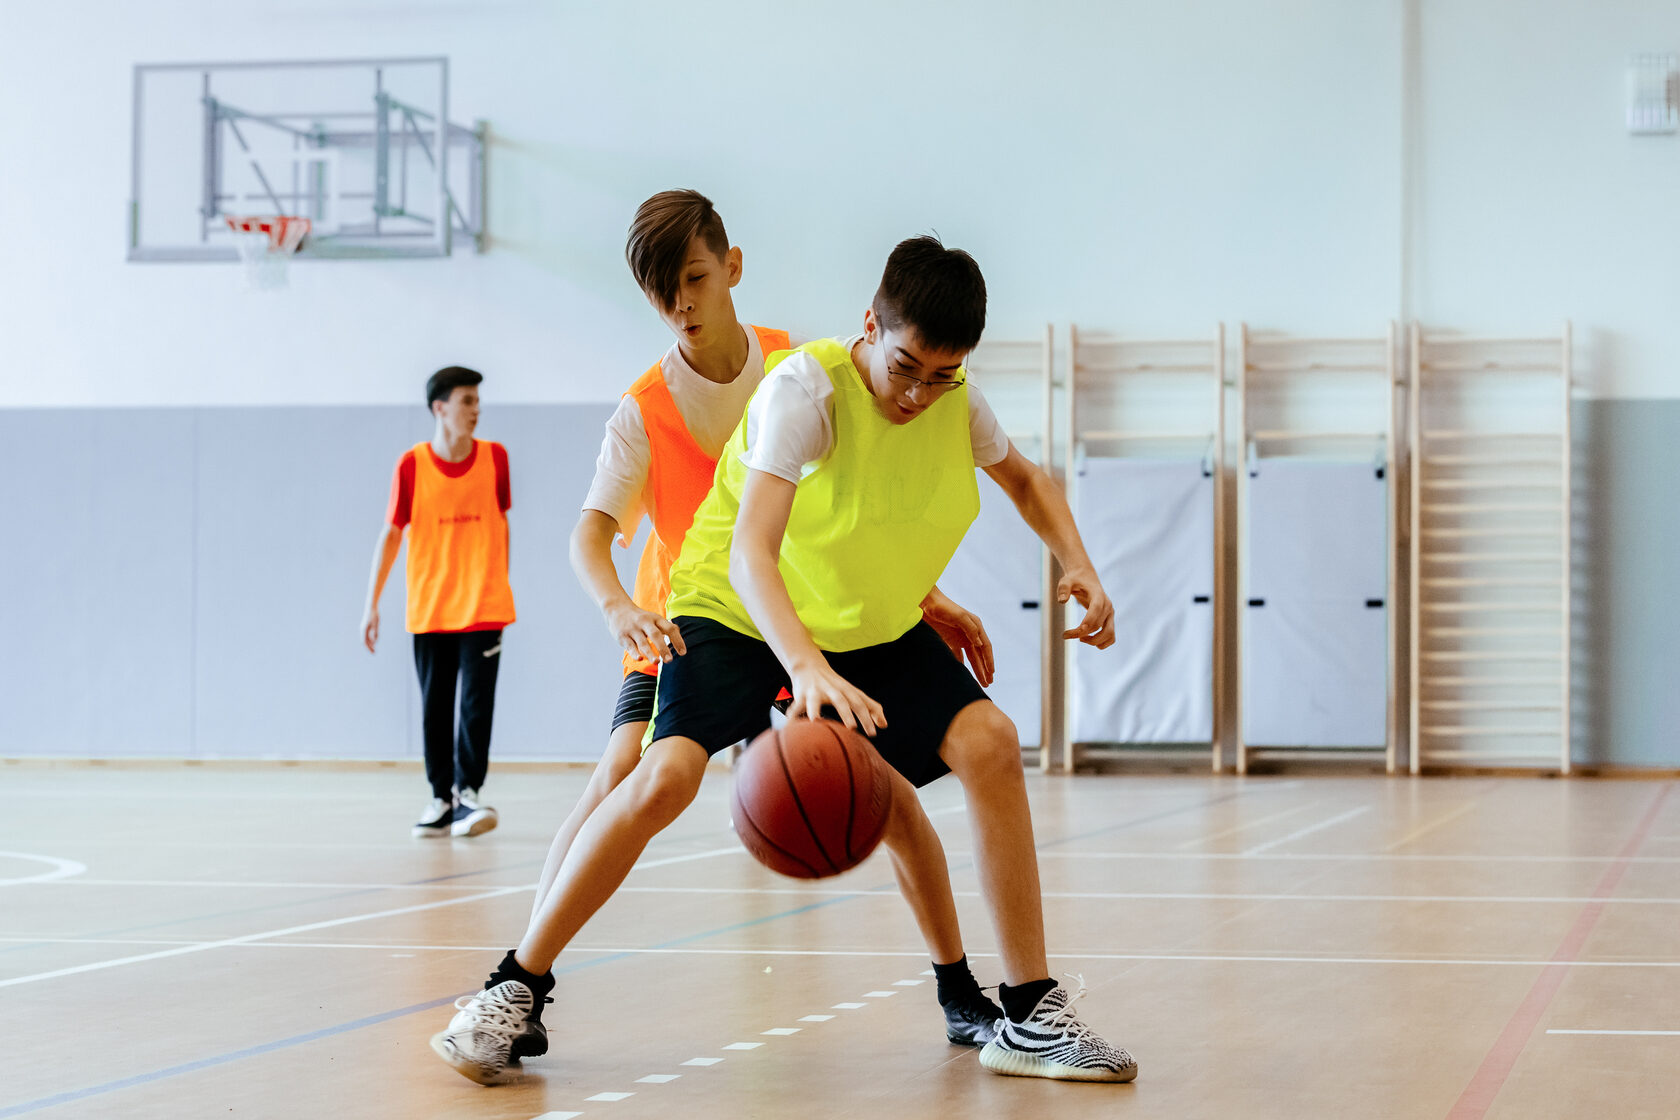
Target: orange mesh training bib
<point>679,478</point>
<point>457,547</point>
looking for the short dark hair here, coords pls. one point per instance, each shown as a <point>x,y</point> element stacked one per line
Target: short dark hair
<point>938,292</point>
<point>660,234</point>
<point>448,379</point>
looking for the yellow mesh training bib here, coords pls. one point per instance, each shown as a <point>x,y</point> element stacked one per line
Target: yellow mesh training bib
<point>872,527</point>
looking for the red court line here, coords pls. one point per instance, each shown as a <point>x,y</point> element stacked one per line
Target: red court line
<point>1479,1095</point>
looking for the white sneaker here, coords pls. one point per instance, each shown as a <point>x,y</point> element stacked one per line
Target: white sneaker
<point>1054,1043</point>
<point>479,1040</point>
<point>436,819</point>
<point>471,817</point>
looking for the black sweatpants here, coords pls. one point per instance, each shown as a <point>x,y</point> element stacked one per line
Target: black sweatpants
<point>457,759</point>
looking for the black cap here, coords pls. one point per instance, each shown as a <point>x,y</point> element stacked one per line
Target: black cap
<point>446,380</point>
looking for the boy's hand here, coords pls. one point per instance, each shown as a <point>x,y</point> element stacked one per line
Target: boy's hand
<point>1097,627</point>
<point>817,685</point>
<point>962,631</point>
<point>645,634</point>
<point>370,628</point>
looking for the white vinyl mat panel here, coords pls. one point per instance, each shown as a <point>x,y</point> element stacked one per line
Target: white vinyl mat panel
<point>1148,525</point>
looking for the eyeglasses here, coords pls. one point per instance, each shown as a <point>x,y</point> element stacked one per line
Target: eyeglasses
<point>909,384</point>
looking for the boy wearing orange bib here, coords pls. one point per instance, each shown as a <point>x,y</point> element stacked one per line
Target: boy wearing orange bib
<point>451,495</point>
<point>658,458</point>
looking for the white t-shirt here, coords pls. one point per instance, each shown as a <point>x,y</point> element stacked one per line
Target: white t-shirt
<point>710,410</point>
<point>791,423</point>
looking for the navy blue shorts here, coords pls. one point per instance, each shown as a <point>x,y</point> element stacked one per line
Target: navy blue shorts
<point>720,692</point>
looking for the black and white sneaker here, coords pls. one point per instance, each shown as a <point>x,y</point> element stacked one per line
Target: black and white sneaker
<point>532,1040</point>
<point>471,817</point>
<point>971,1020</point>
<point>436,819</point>
<point>1054,1043</point>
<point>478,1042</point>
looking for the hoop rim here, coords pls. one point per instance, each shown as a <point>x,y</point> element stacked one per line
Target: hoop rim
<point>285,232</point>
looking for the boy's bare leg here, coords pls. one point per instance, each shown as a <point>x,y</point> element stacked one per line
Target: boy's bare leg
<point>924,879</point>
<point>624,750</point>
<point>608,845</point>
<point>982,749</point>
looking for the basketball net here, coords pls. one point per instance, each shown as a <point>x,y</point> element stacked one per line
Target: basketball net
<point>265,245</point>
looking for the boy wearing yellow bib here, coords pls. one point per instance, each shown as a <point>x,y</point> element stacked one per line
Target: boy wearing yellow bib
<point>836,504</point>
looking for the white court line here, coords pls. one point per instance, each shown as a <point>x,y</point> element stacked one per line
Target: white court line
<point>250,937</point>
<point>1387,857</point>
<point>558,1116</point>
<point>759,951</point>
<point>733,849</point>
<point>743,1046</point>
<point>278,885</point>
<point>265,885</point>
<point>1665,1034</point>
<point>60,869</point>
<point>779,1031</point>
<point>658,1079</point>
<point>1308,831</point>
<point>609,1097</point>
<point>702,1061</point>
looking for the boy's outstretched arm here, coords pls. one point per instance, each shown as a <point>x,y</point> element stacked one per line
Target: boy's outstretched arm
<point>639,631</point>
<point>766,502</point>
<point>1044,508</point>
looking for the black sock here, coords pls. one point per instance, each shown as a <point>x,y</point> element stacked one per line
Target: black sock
<point>510,969</point>
<point>1018,1002</point>
<point>955,981</point>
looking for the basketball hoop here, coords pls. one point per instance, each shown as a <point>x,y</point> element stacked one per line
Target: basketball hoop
<point>265,244</point>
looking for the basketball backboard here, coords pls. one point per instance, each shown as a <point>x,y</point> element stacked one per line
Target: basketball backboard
<point>360,147</point>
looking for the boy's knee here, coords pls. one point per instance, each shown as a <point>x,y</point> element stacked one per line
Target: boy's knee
<point>983,740</point>
<point>663,787</point>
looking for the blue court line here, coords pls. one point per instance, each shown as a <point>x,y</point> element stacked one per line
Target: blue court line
<point>372,1020</point>
<point>220,1059</point>
<point>369,1021</point>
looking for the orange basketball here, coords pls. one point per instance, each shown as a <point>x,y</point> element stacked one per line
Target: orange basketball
<point>811,799</point>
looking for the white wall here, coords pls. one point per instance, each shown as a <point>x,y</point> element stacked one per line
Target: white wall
<point>1130,165</point>
<point>1534,203</point>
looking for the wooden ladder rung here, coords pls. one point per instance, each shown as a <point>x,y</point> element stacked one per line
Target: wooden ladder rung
<point>1515,557</point>
<point>1463,682</point>
<point>1491,461</point>
<point>1455,730</point>
<point>1487,706</point>
<point>1486,655</point>
<point>1492,507</point>
<point>1485,484</point>
<point>1484,608</point>
<point>1488,581</point>
<point>1490,631</point>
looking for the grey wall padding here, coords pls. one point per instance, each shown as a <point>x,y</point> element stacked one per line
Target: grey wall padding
<point>187,583</point>
<point>1148,525</point>
<point>1315,626</point>
<point>996,574</point>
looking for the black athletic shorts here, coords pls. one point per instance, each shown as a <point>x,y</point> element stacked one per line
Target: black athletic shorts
<point>635,699</point>
<point>720,692</point>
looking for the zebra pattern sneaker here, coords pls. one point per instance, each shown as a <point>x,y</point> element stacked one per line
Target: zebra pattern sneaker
<point>1052,1042</point>
<point>478,1042</point>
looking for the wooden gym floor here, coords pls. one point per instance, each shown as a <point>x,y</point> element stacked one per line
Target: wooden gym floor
<point>201,942</point>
